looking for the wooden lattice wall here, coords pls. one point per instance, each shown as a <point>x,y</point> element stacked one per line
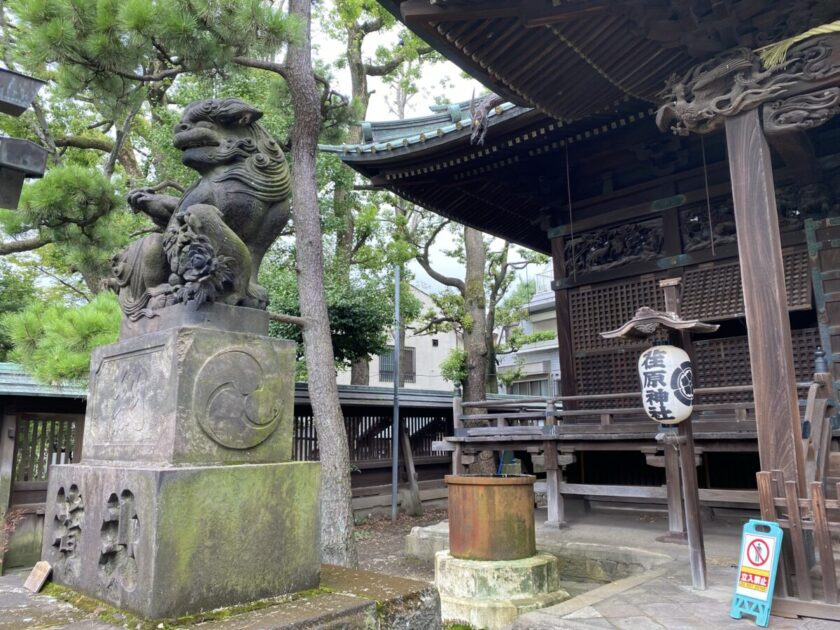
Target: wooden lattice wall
<point>711,292</point>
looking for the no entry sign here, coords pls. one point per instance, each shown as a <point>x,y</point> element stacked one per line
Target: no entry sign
<point>760,546</point>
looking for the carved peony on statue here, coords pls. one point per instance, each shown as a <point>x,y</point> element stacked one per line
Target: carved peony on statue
<point>215,236</point>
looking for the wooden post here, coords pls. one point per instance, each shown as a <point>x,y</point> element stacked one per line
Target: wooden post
<point>673,486</point>
<point>458,467</point>
<point>765,298</point>
<point>694,526</point>
<point>556,516</point>
<point>565,345</point>
<point>696,547</point>
<point>416,507</point>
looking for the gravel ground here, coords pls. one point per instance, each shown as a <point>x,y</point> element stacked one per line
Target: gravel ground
<point>381,545</point>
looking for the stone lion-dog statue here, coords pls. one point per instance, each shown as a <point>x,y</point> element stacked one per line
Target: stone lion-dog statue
<point>215,235</point>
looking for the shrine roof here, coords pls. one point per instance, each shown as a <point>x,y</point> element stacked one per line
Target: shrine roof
<point>512,186</point>
<point>574,58</point>
<point>396,135</point>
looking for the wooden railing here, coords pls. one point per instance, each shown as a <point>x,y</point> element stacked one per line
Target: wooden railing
<point>807,583</point>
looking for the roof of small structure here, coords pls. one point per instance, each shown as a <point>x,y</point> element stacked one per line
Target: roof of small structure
<point>574,58</point>
<point>647,321</point>
<point>15,381</point>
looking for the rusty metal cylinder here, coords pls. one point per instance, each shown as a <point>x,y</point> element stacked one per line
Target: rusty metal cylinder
<point>491,517</point>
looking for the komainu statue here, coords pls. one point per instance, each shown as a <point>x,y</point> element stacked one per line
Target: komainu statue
<point>215,236</point>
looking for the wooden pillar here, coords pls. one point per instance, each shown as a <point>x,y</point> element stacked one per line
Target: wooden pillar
<point>565,345</point>
<point>414,505</point>
<point>673,486</point>
<point>556,515</point>
<point>458,467</point>
<point>765,297</point>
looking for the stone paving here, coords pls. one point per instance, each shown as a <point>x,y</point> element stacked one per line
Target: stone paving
<point>660,596</point>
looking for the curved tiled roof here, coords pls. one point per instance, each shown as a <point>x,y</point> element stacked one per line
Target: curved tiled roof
<point>393,135</point>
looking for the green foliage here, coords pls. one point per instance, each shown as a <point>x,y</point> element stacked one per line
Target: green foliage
<point>360,312</point>
<point>514,308</point>
<point>54,341</point>
<point>112,47</point>
<point>67,201</point>
<point>454,366</point>
<point>17,286</point>
<point>508,376</point>
<point>517,338</point>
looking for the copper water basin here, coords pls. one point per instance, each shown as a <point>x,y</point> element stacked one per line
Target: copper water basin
<point>491,517</point>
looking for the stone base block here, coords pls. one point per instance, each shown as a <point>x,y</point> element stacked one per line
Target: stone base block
<point>493,593</point>
<point>192,396</point>
<point>163,542</point>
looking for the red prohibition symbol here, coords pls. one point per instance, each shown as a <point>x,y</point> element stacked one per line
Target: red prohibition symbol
<point>758,553</point>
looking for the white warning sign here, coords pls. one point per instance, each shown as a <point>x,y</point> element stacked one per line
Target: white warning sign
<point>756,566</point>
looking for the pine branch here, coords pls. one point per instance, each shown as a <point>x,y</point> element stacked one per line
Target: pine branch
<point>105,145</point>
<point>169,73</point>
<point>260,64</point>
<point>122,134</point>
<point>423,259</point>
<point>24,245</point>
<point>282,318</point>
<point>378,70</point>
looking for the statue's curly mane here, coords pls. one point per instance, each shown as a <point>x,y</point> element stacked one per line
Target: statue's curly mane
<point>256,162</point>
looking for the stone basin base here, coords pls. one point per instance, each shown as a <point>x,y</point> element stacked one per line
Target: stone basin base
<point>493,593</point>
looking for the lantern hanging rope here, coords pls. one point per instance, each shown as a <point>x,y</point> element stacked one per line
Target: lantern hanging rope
<point>775,54</point>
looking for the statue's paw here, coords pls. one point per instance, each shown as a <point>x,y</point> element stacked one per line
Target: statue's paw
<point>139,198</point>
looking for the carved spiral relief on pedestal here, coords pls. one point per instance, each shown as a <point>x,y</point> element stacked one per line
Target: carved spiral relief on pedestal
<point>67,530</point>
<point>235,399</point>
<point>119,539</point>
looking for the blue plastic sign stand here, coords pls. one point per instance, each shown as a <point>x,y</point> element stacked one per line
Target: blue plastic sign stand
<point>761,544</point>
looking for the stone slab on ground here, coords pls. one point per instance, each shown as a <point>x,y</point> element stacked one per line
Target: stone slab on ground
<point>579,560</point>
<point>347,599</point>
<point>662,599</point>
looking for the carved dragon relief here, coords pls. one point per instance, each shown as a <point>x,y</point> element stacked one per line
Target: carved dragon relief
<point>803,111</point>
<point>735,82</point>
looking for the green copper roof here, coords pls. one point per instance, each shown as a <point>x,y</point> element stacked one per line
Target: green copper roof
<point>15,381</point>
<point>378,137</point>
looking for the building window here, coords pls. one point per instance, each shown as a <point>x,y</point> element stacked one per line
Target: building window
<point>434,343</point>
<point>386,366</point>
<point>530,388</point>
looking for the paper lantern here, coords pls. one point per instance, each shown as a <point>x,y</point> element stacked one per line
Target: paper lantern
<point>667,384</point>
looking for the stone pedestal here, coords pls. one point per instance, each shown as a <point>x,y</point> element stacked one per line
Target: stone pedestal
<point>491,594</point>
<point>186,498</point>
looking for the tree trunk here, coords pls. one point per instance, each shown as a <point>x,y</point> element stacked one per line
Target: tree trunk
<point>360,373</point>
<point>336,511</point>
<point>475,333</point>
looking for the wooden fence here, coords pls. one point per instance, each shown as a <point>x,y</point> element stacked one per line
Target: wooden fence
<point>42,440</point>
<point>807,583</point>
<point>369,434</point>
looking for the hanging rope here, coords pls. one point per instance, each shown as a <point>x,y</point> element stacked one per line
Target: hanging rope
<point>708,199</point>
<point>571,221</point>
<point>775,54</point>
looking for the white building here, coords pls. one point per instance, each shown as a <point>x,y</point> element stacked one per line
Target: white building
<point>425,354</point>
<point>538,363</point>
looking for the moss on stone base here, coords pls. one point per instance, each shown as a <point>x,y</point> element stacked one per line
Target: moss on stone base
<point>108,614</point>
